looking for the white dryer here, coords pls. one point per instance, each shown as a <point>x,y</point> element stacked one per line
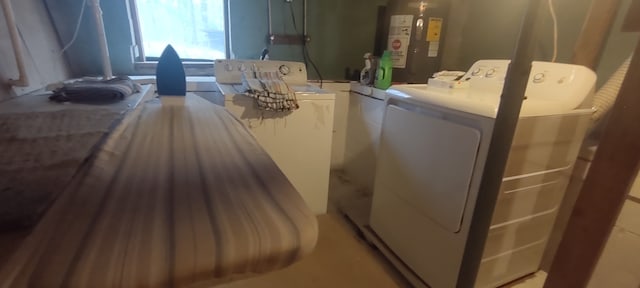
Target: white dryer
<point>298,141</point>
<point>433,147</point>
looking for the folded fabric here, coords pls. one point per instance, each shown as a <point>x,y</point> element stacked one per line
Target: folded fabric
<point>270,91</point>
<point>96,91</point>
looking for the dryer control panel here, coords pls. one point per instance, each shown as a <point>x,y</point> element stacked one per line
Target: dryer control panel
<point>547,80</point>
<point>231,71</point>
<point>487,75</point>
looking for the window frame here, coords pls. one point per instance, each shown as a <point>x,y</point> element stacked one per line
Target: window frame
<point>143,66</point>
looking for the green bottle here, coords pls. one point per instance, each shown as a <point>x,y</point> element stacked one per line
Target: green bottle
<point>383,77</point>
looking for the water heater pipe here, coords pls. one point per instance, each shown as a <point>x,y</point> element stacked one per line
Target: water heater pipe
<point>23,79</point>
<point>102,39</point>
<point>305,28</point>
<point>269,18</point>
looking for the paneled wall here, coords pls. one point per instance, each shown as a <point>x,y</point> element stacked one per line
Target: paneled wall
<point>42,50</point>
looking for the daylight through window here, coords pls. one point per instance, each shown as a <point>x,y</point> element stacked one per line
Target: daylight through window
<point>195,28</point>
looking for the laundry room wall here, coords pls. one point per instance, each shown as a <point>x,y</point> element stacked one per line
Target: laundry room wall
<point>41,49</point>
<point>341,32</point>
<point>492,26</point>
<point>84,55</point>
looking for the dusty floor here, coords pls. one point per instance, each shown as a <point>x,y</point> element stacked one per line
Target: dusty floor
<point>340,259</point>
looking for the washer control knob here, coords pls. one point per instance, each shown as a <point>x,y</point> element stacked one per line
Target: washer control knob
<point>490,73</point>
<point>284,69</point>
<point>476,72</point>
<point>562,80</point>
<point>538,78</point>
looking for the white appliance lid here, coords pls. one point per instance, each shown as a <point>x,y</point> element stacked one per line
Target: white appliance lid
<point>553,88</point>
<point>483,104</point>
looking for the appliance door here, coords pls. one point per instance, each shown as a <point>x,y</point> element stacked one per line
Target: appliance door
<point>424,171</point>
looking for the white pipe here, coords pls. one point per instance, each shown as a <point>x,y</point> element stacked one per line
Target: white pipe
<point>102,39</point>
<point>606,96</point>
<point>23,79</point>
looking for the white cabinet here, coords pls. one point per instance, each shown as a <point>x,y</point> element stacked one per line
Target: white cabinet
<point>363,132</point>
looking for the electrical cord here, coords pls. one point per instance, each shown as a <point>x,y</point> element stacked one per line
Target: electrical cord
<point>313,64</point>
<point>555,31</point>
<point>305,49</point>
<point>75,33</point>
<point>73,38</point>
<point>293,17</point>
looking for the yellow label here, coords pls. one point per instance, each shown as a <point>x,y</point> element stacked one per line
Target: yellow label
<point>434,29</point>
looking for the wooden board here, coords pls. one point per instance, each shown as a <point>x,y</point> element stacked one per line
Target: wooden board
<point>605,189</point>
<point>177,195</point>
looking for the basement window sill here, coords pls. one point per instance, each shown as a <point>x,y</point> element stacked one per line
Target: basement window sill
<point>190,68</point>
<point>194,83</point>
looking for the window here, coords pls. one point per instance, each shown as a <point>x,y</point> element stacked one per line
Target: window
<point>195,28</point>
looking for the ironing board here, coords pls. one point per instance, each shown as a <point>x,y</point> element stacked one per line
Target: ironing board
<point>177,196</point>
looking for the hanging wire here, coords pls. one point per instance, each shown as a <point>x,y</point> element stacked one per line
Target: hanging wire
<point>555,31</point>
<point>75,32</point>
<point>305,49</point>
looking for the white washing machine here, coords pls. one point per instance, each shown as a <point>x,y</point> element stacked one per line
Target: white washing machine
<point>433,148</point>
<point>298,141</point>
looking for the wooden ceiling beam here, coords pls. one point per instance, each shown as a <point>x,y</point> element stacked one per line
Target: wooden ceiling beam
<point>595,33</point>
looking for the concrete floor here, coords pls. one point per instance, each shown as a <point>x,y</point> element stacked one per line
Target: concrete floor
<point>340,259</point>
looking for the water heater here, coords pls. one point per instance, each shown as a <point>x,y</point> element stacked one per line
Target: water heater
<point>415,38</point>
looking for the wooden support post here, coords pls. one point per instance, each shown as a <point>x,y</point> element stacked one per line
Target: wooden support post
<point>614,168</point>
<point>595,33</point>
<point>499,147</point>
<point>632,23</point>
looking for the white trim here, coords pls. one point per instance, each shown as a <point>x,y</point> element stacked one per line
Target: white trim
<point>530,187</point>
<point>552,210</point>
<point>536,173</point>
